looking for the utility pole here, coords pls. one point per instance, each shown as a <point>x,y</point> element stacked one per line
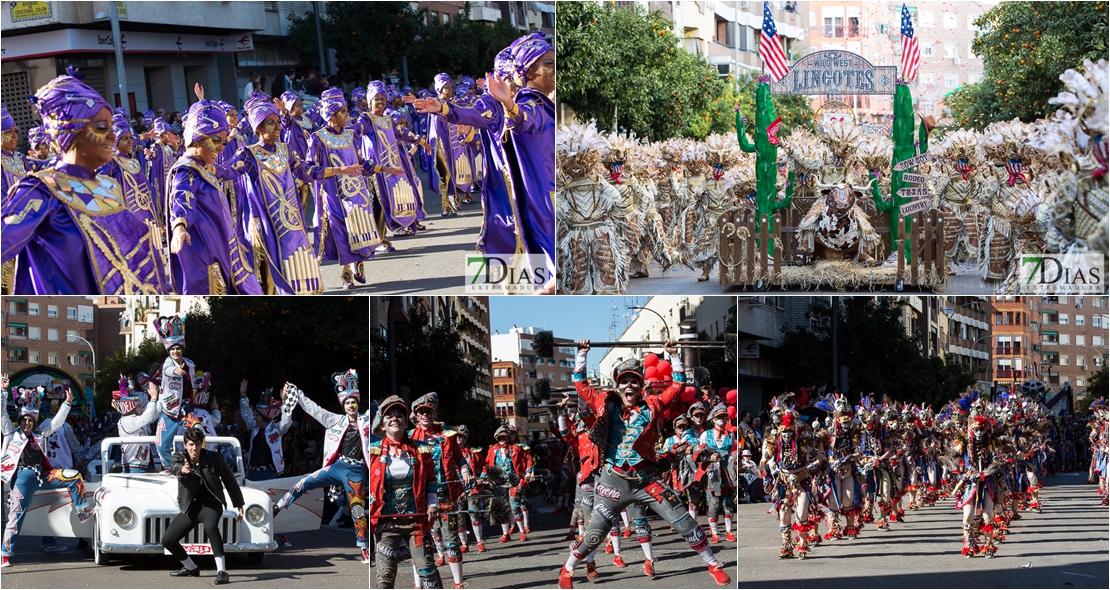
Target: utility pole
<point>319,39</point>
<point>117,41</point>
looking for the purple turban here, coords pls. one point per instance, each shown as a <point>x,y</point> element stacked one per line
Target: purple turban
<point>148,116</point>
<point>503,64</point>
<point>466,81</point>
<point>392,94</point>
<point>357,95</point>
<point>442,80</point>
<point>120,111</point>
<point>120,126</point>
<point>159,126</point>
<point>8,121</point>
<point>424,93</point>
<point>257,111</point>
<point>395,114</point>
<point>204,119</point>
<point>331,102</point>
<point>407,89</point>
<point>374,88</point>
<point>67,105</point>
<point>528,49</point>
<point>227,107</point>
<point>289,99</point>
<point>36,136</point>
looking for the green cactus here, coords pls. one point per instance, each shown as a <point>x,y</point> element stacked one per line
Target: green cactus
<point>766,162</point>
<point>904,149</point>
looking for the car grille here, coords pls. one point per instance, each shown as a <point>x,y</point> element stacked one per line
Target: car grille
<point>155,526</point>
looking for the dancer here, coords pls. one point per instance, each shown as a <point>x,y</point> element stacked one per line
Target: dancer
<point>178,375</point>
<point>136,416</point>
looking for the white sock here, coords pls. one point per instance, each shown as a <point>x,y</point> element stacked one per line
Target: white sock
<point>624,516</point>
<point>526,519</point>
<point>456,571</point>
<point>221,563</point>
<point>707,555</point>
<point>581,529</point>
<point>646,546</point>
<point>519,524</point>
<point>616,539</point>
<point>713,526</point>
<point>188,563</point>
<point>572,562</point>
<point>505,528</point>
<point>415,578</point>
<point>477,531</point>
<point>693,512</point>
<point>462,536</point>
<point>728,524</point>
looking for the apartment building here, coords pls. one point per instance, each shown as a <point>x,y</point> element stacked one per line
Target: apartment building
<point>57,331</point>
<point>1073,339</point>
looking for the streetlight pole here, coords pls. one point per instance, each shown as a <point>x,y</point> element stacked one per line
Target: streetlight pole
<point>74,338</point>
<point>659,315</point>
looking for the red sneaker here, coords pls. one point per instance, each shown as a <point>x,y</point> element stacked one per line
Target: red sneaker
<point>566,579</point>
<point>591,571</point>
<point>608,545</point>
<point>439,562</point>
<point>715,539</point>
<point>719,574</point>
<point>462,585</point>
<point>4,561</point>
<point>627,533</point>
<point>732,537</point>
<point>464,548</point>
<point>523,536</point>
<point>481,547</point>
<point>506,538</point>
<point>617,561</point>
<point>649,568</point>
<point>527,529</point>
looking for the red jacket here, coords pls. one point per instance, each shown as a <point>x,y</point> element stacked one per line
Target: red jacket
<point>477,465</point>
<point>589,456</point>
<point>423,479</point>
<point>653,406</point>
<point>521,461</point>
<point>449,458</point>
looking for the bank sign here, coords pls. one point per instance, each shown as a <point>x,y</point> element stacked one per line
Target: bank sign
<point>836,72</point>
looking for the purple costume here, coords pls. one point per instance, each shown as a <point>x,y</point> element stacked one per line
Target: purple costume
<point>128,172</point>
<point>36,136</point>
<point>286,262</point>
<point>344,215</point>
<point>441,171</point>
<point>381,143</point>
<point>216,261</point>
<point>68,230</point>
<point>233,185</point>
<point>13,164</point>
<point>158,167</point>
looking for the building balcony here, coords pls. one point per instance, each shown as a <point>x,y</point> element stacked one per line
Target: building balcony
<point>1009,374</point>
<point>1008,350</point>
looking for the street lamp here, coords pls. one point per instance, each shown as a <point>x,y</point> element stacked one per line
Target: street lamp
<point>117,42</point>
<point>75,338</point>
<point>659,315</point>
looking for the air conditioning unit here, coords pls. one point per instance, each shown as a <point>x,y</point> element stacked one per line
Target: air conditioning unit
<point>1083,367</point>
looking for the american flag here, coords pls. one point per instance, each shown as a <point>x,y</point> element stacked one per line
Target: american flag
<point>911,53</point>
<point>770,50</point>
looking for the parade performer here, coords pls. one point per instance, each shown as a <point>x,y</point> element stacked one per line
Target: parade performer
<point>403,498</point>
<point>631,471</point>
<point>843,468</point>
<point>722,154</point>
<point>626,217</point>
<point>14,166</point>
<point>68,230</point>
<point>206,256</point>
<point>296,130</point>
<point>284,258</point>
<point>978,489</point>
<point>265,458</point>
<point>441,172</point>
<point>791,459</point>
<point>39,154</point>
<point>530,119</point>
<point>24,468</point>
<point>346,454</point>
<point>590,244</point>
<point>652,242</point>
<point>476,463</point>
<point>344,206</point>
<point>689,208</point>
<point>960,187</point>
<point>136,416</point>
<point>178,375</point>
<point>128,172</point>
<point>382,142</point>
<point>510,459</point>
<point>202,476</point>
<point>451,474</point>
<point>160,155</point>
<point>239,135</point>
<point>713,450</point>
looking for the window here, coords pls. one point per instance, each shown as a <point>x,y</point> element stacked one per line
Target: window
<point>926,18</point>
<point>33,356</point>
<point>51,311</point>
<point>52,359</point>
<point>971,23</point>
<point>1017,363</point>
<point>853,26</point>
<point>1063,319</point>
<point>1097,360</point>
<point>1064,360</point>
<point>1080,382</point>
<point>32,309</point>
<point>951,80</point>
<point>85,314</point>
<point>1080,360</point>
<point>52,334</point>
<point>1079,302</point>
<point>1080,320</point>
<point>71,313</point>
<point>1096,340</point>
<point>446,18</point>
<point>71,359</point>
<point>744,37</point>
<point>949,21</point>
<point>834,26</point>
<point>551,362</point>
<point>1080,340</point>
<point>950,50</point>
<point>434,16</point>
<point>974,78</point>
<point>927,50</point>
<point>1065,339</point>
<point>34,333</point>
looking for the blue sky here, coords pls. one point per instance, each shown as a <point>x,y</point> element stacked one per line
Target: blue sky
<point>567,316</point>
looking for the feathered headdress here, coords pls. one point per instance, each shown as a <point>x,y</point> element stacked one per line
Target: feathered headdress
<point>346,384</point>
<point>579,148</point>
<point>841,136</point>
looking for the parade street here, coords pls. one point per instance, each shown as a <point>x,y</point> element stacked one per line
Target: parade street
<point>325,558</point>
<point>1062,547</point>
<point>535,563</point>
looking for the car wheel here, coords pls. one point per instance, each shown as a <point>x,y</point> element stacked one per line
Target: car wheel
<point>99,557</point>
<point>256,558</point>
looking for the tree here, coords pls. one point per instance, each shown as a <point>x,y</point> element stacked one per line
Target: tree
<point>429,358</point>
<point>1097,386</point>
<point>794,109</point>
<point>721,366</point>
<point>625,68</point>
<point>1025,46</point>
<point>122,361</point>
<point>462,46</point>
<point>872,342</point>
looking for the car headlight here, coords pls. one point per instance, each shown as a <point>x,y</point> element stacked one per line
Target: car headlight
<point>255,514</point>
<point>124,517</point>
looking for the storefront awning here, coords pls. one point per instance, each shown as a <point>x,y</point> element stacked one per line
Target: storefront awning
<point>92,41</point>
<point>18,348</point>
<point>17,325</point>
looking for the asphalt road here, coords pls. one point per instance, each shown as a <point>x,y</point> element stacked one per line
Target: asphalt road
<point>326,558</point>
<point>1065,547</point>
<point>535,563</point>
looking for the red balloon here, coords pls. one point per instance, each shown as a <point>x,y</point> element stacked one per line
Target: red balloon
<point>731,397</point>
<point>651,373</point>
<point>651,359</point>
<point>664,369</point>
<point>732,412</point>
<point>689,394</point>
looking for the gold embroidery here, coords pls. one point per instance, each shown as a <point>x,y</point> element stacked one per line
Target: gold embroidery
<point>15,164</point>
<point>99,196</point>
<point>216,280</point>
<point>7,278</point>
<point>32,206</point>
<point>276,162</point>
<point>302,272</point>
<point>336,141</point>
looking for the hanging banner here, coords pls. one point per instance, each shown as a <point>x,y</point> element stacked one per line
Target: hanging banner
<point>836,72</point>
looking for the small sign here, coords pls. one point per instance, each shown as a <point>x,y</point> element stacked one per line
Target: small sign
<point>30,10</point>
<point>121,8</point>
<point>836,72</point>
<point>915,178</point>
<point>914,161</point>
<point>914,191</point>
<point>948,309</point>
<point>749,349</point>
<point>917,206</point>
<point>193,549</point>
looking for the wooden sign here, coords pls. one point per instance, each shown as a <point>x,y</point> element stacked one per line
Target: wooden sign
<point>917,206</point>
<point>836,72</point>
<point>915,178</point>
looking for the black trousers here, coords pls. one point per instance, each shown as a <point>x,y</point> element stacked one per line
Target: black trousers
<point>205,513</point>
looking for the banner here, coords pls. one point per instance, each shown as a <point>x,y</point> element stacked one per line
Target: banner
<point>82,40</point>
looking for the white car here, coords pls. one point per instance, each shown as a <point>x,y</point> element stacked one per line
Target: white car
<point>134,509</point>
